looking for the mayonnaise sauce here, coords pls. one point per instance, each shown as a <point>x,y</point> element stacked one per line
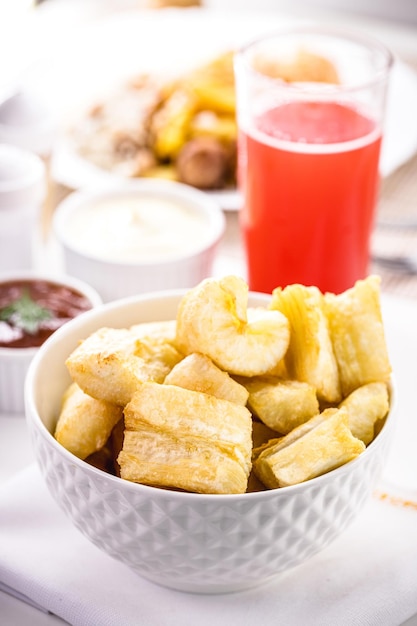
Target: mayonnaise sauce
<point>136,229</point>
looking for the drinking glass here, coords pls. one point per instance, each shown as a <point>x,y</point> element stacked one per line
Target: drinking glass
<point>310,111</point>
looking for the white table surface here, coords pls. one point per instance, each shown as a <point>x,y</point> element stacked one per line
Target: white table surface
<point>15,448</point>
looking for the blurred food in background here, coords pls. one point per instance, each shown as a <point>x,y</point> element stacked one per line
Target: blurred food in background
<point>182,129</point>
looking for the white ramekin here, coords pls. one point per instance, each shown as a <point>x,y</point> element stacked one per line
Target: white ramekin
<point>114,279</point>
<point>14,362</point>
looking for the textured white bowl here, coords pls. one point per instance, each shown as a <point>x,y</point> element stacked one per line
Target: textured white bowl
<point>14,362</point>
<point>186,541</point>
<point>113,279</point>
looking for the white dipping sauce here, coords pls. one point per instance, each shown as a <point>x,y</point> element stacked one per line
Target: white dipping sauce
<point>127,229</point>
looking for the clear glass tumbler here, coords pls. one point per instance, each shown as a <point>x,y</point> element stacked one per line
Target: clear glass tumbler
<point>310,109</point>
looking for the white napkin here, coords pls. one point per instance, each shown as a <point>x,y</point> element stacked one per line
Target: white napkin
<point>367,576</point>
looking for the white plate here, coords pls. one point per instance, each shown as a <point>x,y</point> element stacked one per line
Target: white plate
<point>114,49</point>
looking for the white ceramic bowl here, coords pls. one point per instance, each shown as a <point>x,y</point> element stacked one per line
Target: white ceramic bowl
<point>187,541</point>
<point>14,362</point>
<point>116,276</point>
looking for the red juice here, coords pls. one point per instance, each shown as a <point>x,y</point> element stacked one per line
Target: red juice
<point>310,185</point>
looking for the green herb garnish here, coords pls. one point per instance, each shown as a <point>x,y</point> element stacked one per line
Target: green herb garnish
<point>25,313</point>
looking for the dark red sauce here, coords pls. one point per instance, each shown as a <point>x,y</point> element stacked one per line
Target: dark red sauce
<point>51,303</point>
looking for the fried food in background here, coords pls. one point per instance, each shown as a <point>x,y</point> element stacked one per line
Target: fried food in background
<point>183,129</point>
<point>114,134</point>
<point>201,410</point>
<point>163,4</point>
<point>213,85</point>
<point>195,128</point>
<point>304,67</point>
<point>206,163</point>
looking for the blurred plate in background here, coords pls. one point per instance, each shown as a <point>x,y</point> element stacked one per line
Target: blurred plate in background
<point>110,51</point>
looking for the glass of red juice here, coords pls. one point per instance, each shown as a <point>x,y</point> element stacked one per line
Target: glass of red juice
<point>310,111</point>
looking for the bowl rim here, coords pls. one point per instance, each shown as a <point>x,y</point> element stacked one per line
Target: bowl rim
<point>64,280</point>
<point>33,418</point>
<point>173,190</point>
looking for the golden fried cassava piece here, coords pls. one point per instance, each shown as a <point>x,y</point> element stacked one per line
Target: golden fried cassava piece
<point>176,437</point>
<point>366,406</point>
<point>281,404</point>
<point>161,459</point>
<point>184,412</point>
<point>163,330</point>
<point>111,363</point>
<point>84,423</point>
<point>357,332</point>
<point>310,357</point>
<point>308,452</point>
<point>213,319</point>
<point>198,372</point>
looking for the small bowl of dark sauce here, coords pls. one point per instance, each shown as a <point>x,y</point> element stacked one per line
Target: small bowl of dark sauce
<point>32,307</point>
